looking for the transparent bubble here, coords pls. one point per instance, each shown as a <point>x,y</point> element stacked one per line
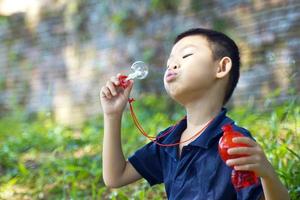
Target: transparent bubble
<point>140,70</point>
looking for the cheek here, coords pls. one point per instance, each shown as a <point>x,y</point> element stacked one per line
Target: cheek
<point>200,67</point>
<point>174,89</point>
<point>198,77</point>
<point>198,73</point>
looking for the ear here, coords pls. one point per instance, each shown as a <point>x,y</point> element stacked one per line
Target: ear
<point>224,67</point>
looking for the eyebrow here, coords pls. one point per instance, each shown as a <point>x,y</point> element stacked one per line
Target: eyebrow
<point>184,47</point>
<point>187,46</point>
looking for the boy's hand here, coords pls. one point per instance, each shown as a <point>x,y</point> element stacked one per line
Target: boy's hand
<point>255,160</point>
<point>113,97</point>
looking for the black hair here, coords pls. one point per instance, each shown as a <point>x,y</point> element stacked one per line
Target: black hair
<point>221,45</point>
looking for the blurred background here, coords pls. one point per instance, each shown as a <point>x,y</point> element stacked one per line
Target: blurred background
<point>55,56</point>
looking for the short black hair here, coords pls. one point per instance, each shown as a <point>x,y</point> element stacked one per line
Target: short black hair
<point>221,45</point>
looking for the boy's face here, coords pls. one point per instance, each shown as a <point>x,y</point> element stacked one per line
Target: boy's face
<point>191,70</point>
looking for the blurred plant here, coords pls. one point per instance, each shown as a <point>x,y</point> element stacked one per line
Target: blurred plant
<point>164,6</point>
<point>55,162</point>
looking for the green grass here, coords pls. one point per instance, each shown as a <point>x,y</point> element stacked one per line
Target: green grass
<point>43,160</point>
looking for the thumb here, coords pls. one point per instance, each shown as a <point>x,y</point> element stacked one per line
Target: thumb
<point>129,88</point>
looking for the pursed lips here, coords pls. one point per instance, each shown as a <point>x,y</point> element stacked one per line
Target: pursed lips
<point>170,76</point>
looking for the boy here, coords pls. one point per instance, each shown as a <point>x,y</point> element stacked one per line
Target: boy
<point>202,72</point>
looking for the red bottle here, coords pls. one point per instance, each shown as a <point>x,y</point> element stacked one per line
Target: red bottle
<point>239,179</point>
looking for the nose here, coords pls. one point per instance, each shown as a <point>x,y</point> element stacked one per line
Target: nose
<point>173,66</point>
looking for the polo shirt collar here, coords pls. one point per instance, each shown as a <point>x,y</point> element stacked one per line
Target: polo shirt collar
<point>205,139</point>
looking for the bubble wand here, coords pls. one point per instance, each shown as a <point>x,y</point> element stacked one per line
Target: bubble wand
<point>140,71</point>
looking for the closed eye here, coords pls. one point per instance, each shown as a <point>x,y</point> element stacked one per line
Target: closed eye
<point>187,55</point>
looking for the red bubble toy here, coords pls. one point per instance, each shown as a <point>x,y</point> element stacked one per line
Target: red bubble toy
<point>239,179</point>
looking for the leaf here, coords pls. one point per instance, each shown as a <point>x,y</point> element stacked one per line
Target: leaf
<point>294,153</point>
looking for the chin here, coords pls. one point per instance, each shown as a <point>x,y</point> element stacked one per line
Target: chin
<point>176,94</point>
<point>183,95</point>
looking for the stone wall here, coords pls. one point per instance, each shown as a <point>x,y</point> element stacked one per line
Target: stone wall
<point>56,55</point>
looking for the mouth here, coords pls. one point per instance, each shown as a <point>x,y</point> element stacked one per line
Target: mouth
<point>171,76</point>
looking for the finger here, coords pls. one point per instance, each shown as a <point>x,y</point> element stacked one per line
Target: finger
<point>112,88</point>
<point>102,94</point>
<point>248,167</point>
<point>242,160</point>
<point>128,89</point>
<point>244,140</point>
<point>105,93</point>
<point>115,80</point>
<point>242,150</point>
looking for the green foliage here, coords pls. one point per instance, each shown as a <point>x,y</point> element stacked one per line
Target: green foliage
<point>221,24</point>
<point>126,21</point>
<point>3,20</point>
<point>164,6</point>
<point>41,159</point>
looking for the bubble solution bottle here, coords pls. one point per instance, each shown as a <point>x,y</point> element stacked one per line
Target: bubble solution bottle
<point>239,179</point>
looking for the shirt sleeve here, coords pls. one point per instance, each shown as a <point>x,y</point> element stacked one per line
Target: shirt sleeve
<point>147,162</point>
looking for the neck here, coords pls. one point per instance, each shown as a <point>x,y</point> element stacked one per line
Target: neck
<point>201,111</point>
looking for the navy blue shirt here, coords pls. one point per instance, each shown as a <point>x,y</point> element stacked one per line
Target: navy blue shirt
<point>199,173</point>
